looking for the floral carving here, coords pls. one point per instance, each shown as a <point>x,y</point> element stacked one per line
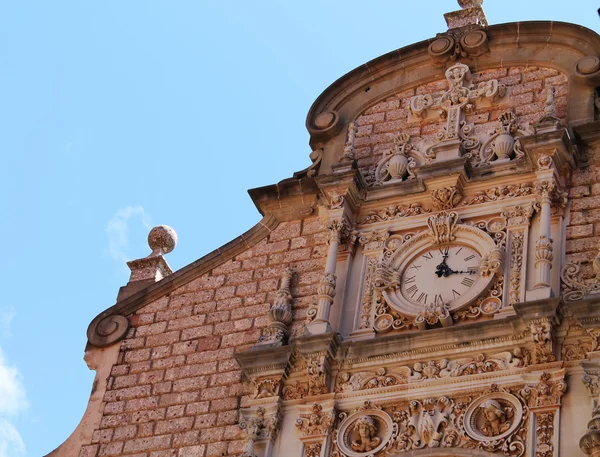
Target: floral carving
<point>491,263</point>
<point>546,393</point>
<point>312,450</point>
<point>576,351</point>
<point>367,303</point>
<point>516,263</point>
<point>544,432</point>
<point>295,391</point>
<point>394,212</point>
<point>574,286</point>
<point>446,197</point>
<point>259,426</point>
<point>316,422</point>
<point>424,371</point>
<point>501,193</point>
<point>317,374</point>
<point>542,336</point>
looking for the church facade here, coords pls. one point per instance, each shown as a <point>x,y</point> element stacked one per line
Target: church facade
<point>428,286</point>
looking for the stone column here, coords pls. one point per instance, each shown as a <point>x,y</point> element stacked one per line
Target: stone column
<point>543,248</point>
<point>326,289</point>
<point>590,441</point>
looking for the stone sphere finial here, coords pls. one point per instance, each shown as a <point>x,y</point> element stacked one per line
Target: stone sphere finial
<point>464,4</point>
<point>162,239</point>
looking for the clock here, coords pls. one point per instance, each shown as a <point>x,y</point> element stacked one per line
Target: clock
<point>441,275</point>
<point>439,270</point>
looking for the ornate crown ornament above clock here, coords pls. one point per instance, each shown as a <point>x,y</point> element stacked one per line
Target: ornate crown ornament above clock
<point>437,272</point>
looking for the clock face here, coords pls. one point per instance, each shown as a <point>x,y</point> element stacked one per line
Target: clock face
<point>441,275</point>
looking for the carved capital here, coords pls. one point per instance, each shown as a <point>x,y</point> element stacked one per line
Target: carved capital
<point>315,424</point>
<point>547,392</point>
<point>442,227</point>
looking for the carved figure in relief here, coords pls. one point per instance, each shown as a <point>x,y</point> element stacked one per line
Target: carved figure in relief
<point>496,418</point>
<point>367,435</point>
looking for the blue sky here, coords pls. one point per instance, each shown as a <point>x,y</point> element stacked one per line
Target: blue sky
<point>116,116</point>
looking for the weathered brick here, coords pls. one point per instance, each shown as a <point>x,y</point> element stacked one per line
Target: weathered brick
<point>163,339</point>
<point>110,449</point>
<point>196,332</point>
<point>127,393</point>
<point>188,438</point>
<point>174,425</point>
<point>186,322</point>
<point>103,436</point>
<point>192,451</point>
<point>89,451</point>
<point>205,421</point>
<point>148,444</point>
<point>125,433</point>
<point>150,415</point>
<point>580,231</point>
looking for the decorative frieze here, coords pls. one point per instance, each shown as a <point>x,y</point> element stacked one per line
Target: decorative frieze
<point>501,193</point>
<point>433,369</point>
<point>394,212</point>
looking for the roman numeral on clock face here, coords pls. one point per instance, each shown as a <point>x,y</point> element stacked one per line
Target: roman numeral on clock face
<point>409,280</point>
<point>428,256</point>
<point>422,298</point>
<point>468,282</point>
<point>412,290</point>
<point>438,300</point>
<point>455,293</point>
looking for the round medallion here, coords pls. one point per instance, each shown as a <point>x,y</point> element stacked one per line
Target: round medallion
<point>364,433</point>
<point>324,120</point>
<point>441,46</point>
<point>474,42</point>
<point>493,417</point>
<point>588,65</point>
<point>490,305</point>
<point>383,323</point>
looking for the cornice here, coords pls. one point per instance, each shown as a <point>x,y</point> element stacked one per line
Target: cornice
<point>111,325</point>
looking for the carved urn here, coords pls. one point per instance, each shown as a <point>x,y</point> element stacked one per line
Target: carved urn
<point>397,167</point>
<point>503,146</point>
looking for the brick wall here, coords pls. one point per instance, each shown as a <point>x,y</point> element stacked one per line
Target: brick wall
<point>583,231</point>
<point>176,388</point>
<point>379,124</point>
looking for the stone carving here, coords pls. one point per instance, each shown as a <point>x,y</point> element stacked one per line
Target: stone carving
<point>295,391</point>
<point>432,369</point>
<point>574,286</point>
<point>433,314</point>
<point>349,147</point>
<point>542,336</point>
<point>398,163</point>
<point>544,432</point>
<point>459,98</point>
<point>491,263</point>
<point>317,374</point>
<point>264,388</point>
<point>519,215</point>
<point>459,43</point>
<point>547,392</point>
<point>446,197</point>
<point>260,426</point>
<point>394,212</point>
<point>367,303</point>
<point>312,450</point>
<point>366,430</point>
<point>493,416</point>
<point>590,442</point>
<point>544,162</point>
<point>374,240</point>
<point>594,334</point>
<point>336,201</point>
<point>575,351</point>
<point>326,291</point>
<point>504,144</point>
<point>316,157</point>
<point>442,227</point>
<point>501,193</point>
<point>543,251</point>
<point>516,264</point>
<point>316,422</point>
<point>280,314</point>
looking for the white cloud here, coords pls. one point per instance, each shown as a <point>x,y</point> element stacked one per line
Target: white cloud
<point>11,443</point>
<point>12,401</point>
<point>118,228</point>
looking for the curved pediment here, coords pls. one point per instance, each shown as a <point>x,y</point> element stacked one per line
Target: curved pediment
<point>566,51</point>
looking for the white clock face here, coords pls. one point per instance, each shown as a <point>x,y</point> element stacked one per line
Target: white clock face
<point>441,275</point>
